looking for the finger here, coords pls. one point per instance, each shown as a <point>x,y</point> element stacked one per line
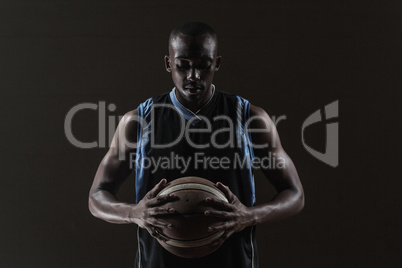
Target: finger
<point>219,214</point>
<point>223,238</point>
<point>160,224</point>
<point>225,189</point>
<point>160,211</point>
<point>218,204</point>
<point>156,234</point>
<point>162,199</point>
<point>221,227</point>
<point>157,188</point>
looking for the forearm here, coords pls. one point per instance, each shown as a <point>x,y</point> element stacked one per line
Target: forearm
<point>105,206</point>
<point>289,200</point>
<point>285,204</point>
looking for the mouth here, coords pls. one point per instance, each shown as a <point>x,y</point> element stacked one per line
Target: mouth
<point>192,90</point>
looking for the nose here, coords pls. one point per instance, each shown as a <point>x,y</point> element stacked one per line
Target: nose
<point>193,74</point>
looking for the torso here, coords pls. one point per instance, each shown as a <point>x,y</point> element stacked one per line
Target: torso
<point>225,151</point>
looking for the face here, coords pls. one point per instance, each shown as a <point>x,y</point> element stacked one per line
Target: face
<point>192,63</point>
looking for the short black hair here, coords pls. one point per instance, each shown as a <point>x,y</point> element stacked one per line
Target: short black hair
<point>193,28</point>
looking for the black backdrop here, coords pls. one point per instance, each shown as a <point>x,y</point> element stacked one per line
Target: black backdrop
<point>291,58</point>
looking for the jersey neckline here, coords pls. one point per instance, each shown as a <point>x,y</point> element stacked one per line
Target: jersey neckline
<point>187,113</point>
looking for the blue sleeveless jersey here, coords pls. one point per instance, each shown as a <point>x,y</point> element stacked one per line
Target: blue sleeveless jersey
<point>173,142</point>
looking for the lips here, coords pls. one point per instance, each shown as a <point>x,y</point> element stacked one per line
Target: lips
<point>192,86</point>
<point>192,90</point>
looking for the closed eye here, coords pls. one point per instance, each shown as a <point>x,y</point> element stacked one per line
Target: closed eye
<point>205,67</point>
<point>182,67</point>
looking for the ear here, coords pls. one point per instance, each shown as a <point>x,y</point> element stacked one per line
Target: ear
<point>167,64</point>
<point>218,63</point>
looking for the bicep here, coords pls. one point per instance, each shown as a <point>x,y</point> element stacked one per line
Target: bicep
<point>280,170</point>
<point>111,173</point>
<point>116,166</point>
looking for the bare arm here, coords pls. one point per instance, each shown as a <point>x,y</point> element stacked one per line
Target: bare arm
<point>112,172</point>
<point>283,176</point>
<point>290,196</point>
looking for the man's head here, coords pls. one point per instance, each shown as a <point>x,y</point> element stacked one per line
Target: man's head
<point>193,59</point>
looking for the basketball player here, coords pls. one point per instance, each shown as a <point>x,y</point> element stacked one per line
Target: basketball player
<point>196,130</point>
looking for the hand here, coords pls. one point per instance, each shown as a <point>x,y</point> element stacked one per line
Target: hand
<point>235,216</point>
<point>148,210</point>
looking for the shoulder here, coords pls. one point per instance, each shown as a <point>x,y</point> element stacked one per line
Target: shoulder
<point>259,119</point>
<point>130,115</point>
<point>236,101</point>
<point>263,131</point>
<point>253,110</point>
<point>128,123</point>
<point>126,132</point>
<point>258,111</point>
<point>145,107</point>
<point>231,96</point>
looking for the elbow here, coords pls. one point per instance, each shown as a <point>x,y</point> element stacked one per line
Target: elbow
<point>299,204</point>
<point>92,206</point>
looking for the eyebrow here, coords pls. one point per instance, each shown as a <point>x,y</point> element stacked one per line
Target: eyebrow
<point>187,58</point>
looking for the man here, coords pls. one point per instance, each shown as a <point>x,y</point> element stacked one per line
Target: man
<point>206,133</point>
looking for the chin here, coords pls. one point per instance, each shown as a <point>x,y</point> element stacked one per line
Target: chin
<point>187,94</point>
<point>193,97</point>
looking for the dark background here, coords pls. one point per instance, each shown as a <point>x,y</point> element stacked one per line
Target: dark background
<point>291,58</point>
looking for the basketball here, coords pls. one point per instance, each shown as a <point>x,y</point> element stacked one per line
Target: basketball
<point>189,237</point>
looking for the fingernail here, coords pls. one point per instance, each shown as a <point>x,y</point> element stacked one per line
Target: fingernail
<point>209,229</point>
<point>207,212</point>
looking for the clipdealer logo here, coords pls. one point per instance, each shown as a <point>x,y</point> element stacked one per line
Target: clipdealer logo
<point>198,160</point>
<point>108,123</point>
<point>331,154</point>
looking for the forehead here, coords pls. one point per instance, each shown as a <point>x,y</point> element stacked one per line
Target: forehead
<point>187,46</point>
